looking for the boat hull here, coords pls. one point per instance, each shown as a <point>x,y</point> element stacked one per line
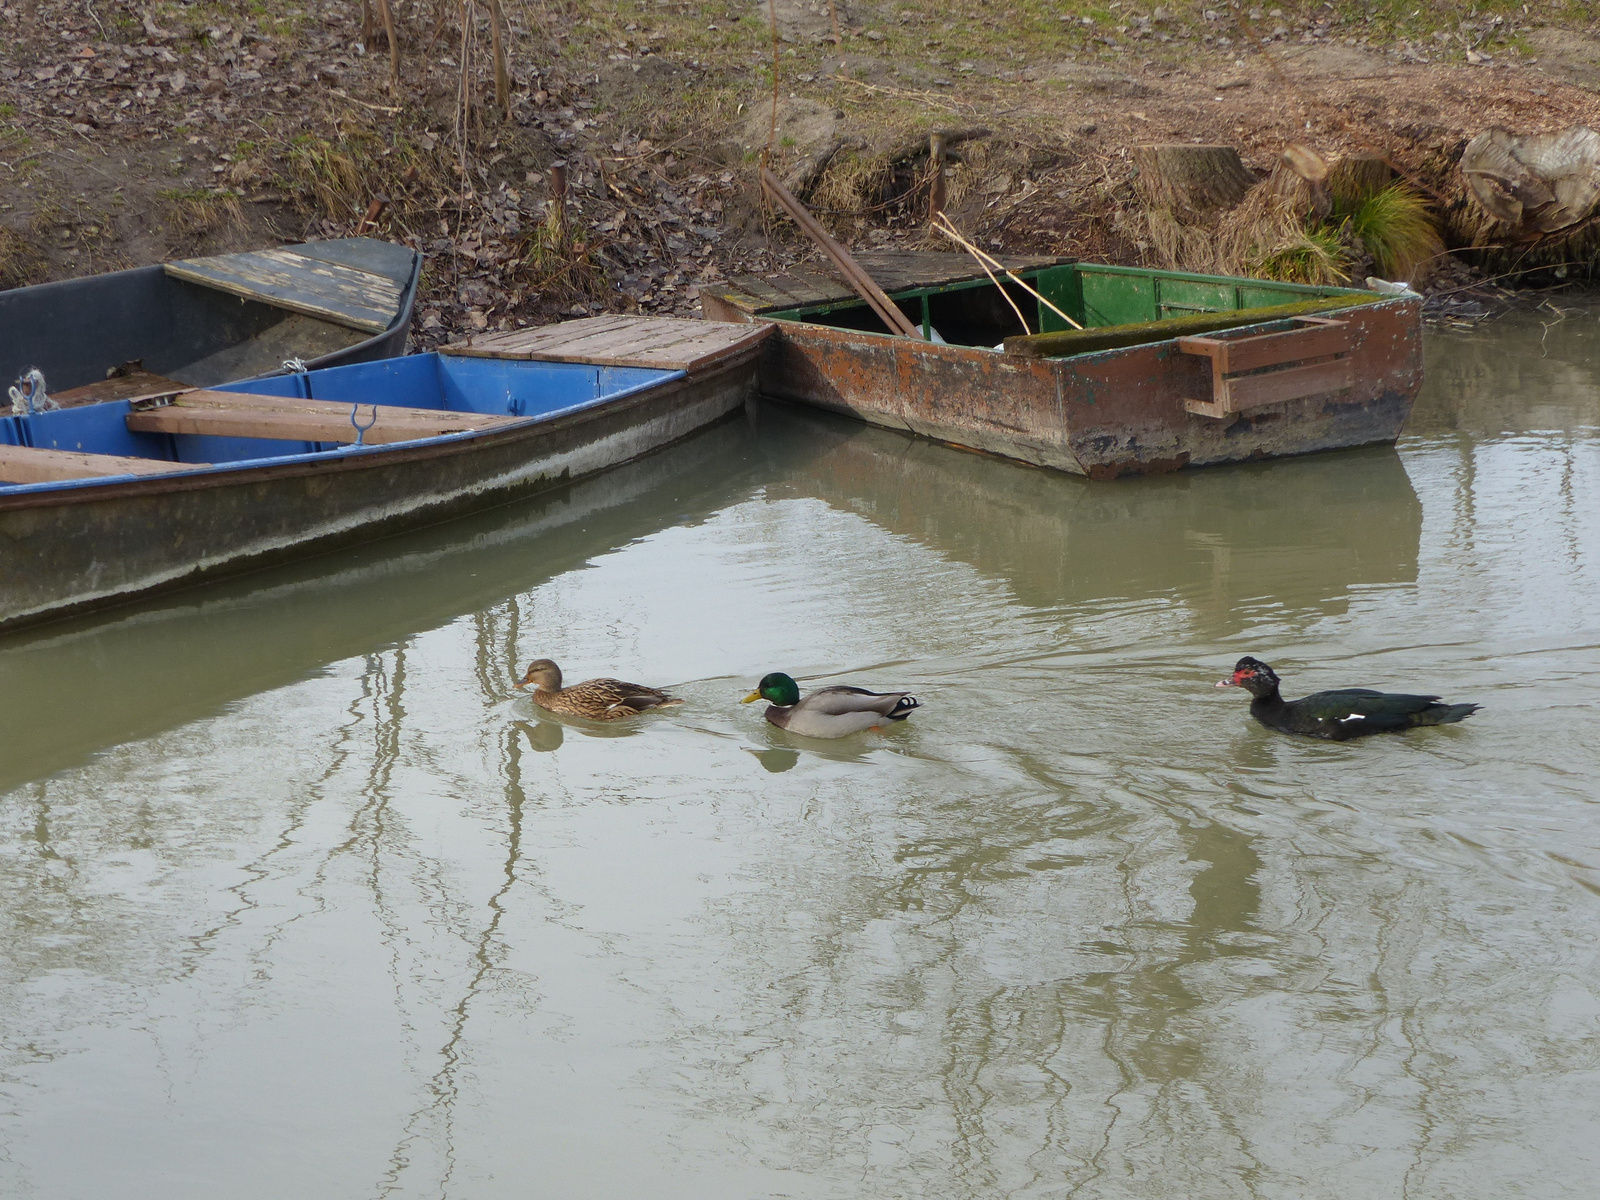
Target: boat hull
<point>1104,415</point>
<point>78,331</point>
<point>70,550</point>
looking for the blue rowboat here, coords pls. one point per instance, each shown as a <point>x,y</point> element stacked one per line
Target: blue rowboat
<point>106,501</point>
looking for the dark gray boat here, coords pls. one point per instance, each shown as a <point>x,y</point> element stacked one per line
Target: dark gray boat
<point>204,321</point>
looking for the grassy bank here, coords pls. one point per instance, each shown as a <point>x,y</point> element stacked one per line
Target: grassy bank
<point>139,134</point>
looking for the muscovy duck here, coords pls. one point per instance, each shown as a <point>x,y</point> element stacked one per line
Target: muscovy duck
<point>829,712</point>
<point>1338,715</point>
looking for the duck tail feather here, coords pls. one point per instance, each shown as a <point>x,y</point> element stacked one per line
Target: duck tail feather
<point>903,707</point>
<point>1446,714</point>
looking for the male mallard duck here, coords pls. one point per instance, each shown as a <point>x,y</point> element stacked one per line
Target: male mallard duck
<point>829,712</point>
<point>1338,715</point>
<point>597,699</point>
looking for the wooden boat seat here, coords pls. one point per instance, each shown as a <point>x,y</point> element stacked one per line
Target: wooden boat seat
<point>134,383</point>
<point>240,415</point>
<point>30,464</point>
<point>661,343</point>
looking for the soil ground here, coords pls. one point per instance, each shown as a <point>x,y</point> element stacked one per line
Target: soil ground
<point>134,133</point>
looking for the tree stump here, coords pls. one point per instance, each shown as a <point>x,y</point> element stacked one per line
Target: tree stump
<point>1357,176</point>
<point>1186,178</point>
<point>1537,184</point>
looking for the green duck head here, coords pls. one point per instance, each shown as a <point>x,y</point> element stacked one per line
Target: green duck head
<point>776,688</point>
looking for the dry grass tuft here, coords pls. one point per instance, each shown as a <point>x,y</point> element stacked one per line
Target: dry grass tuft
<point>21,263</point>
<point>1317,255</point>
<point>562,262</point>
<point>197,212</point>
<point>854,183</point>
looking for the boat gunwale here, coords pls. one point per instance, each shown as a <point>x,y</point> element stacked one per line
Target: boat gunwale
<point>798,314</point>
<point>346,458</point>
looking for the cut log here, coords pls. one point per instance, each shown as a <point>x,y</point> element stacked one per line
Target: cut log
<point>1355,177</point>
<point>1185,178</point>
<point>1538,184</point>
<point>1305,162</point>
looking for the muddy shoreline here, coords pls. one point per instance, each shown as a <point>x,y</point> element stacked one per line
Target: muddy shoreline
<point>129,137</point>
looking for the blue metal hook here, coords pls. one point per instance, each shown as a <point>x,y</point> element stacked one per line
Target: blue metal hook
<point>361,430</point>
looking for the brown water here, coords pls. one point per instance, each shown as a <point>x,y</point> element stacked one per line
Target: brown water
<point>299,899</point>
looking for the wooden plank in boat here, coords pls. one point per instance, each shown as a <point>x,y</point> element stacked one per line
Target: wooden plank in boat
<point>334,291</point>
<point>663,343</point>
<point>236,414</point>
<point>364,254</point>
<point>134,384</point>
<point>213,399</point>
<point>32,464</point>
<point>893,270</point>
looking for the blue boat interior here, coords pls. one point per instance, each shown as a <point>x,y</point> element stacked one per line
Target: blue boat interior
<point>427,382</point>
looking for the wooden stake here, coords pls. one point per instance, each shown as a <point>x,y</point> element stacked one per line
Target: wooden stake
<point>936,162</point>
<point>374,214</point>
<point>888,311</point>
<point>558,193</point>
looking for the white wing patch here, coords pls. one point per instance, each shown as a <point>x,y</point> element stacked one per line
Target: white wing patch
<point>1351,717</point>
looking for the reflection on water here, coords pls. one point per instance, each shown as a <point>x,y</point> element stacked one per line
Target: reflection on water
<point>298,897</point>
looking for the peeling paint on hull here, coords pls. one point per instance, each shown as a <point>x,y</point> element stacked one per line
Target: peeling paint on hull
<point>1115,413</point>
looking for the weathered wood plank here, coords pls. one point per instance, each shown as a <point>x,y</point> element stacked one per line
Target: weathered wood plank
<point>893,270</point>
<point>663,343</point>
<point>1292,383</point>
<point>30,464</point>
<point>333,291</point>
<point>1295,345</point>
<point>135,385</point>
<point>245,401</point>
<point>364,254</point>
<point>233,414</point>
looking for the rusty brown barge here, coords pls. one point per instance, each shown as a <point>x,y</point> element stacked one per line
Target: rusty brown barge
<point>1170,369</point>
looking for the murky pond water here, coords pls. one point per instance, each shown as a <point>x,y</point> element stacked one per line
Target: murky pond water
<point>301,899</point>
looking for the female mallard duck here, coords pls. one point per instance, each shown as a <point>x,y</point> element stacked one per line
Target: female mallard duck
<point>829,712</point>
<point>597,699</point>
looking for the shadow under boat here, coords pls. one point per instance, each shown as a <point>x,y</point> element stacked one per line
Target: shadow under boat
<point>86,683</point>
<point>1298,532</point>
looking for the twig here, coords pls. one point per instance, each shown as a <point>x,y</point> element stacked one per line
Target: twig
<point>502,76</point>
<point>904,93</point>
<point>383,108</point>
<point>394,45</point>
<point>997,286</point>
<point>772,125</point>
<point>944,225</point>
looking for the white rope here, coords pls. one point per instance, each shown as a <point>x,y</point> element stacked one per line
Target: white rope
<point>24,403</point>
